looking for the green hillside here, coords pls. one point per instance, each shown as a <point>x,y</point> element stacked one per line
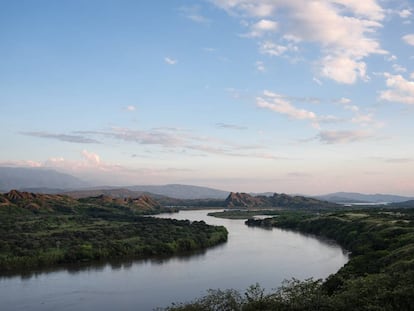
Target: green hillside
<point>39,230</point>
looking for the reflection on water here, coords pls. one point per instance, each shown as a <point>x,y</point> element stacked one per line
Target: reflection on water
<point>114,264</point>
<point>251,255</point>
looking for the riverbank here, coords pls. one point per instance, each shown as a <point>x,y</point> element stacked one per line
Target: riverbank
<point>250,255</point>
<point>32,239</point>
<point>378,276</point>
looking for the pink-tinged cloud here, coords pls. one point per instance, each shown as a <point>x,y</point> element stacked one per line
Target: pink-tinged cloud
<point>341,137</point>
<point>409,39</point>
<point>400,90</point>
<point>91,157</point>
<point>277,103</point>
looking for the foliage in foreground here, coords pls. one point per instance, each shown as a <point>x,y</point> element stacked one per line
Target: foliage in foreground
<point>378,276</point>
<point>294,294</point>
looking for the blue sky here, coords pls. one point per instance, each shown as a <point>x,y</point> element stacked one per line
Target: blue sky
<point>290,96</point>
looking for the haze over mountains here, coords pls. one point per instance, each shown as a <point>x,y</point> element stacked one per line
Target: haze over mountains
<point>22,178</point>
<point>51,181</point>
<point>353,197</point>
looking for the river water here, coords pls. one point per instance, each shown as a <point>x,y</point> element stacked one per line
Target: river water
<point>251,255</point>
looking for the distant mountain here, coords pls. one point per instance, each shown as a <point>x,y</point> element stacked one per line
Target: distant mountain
<point>185,192</point>
<point>266,194</point>
<point>244,200</point>
<point>353,197</point>
<point>36,178</point>
<point>405,204</point>
<point>112,192</point>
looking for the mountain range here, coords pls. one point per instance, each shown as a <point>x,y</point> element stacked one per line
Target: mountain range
<point>353,197</point>
<point>22,178</point>
<point>40,180</point>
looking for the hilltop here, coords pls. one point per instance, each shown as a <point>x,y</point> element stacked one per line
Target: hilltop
<point>277,200</point>
<point>46,203</point>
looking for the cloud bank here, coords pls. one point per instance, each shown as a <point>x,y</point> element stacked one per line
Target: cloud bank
<point>344,30</point>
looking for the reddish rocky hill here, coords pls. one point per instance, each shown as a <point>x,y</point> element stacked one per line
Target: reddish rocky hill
<point>244,200</point>
<point>49,202</point>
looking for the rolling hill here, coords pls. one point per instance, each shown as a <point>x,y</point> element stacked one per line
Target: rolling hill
<point>49,203</point>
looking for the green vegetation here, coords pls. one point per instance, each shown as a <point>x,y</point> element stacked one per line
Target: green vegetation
<point>43,230</point>
<point>378,276</point>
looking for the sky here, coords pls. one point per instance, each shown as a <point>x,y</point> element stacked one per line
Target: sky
<point>294,96</point>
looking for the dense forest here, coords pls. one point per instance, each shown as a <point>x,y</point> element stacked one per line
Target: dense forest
<point>44,230</point>
<point>378,276</point>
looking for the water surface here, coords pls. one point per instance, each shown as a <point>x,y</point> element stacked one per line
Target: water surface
<point>251,255</point>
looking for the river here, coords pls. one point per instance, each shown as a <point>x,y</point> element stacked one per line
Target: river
<point>250,255</point>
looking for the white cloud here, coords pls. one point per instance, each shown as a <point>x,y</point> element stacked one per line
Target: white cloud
<point>343,69</point>
<point>360,118</point>
<point>260,66</point>
<point>252,8</point>
<point>412,75</point>
<point>283,105</point>
<point>409,39</point>
<point>391,58</point>
<point>363,118</point>
<point>210,50</point>
<point>344,30</point>
<point>89,161</point>
<point>198,18</point>
<point>277,103</point>
<point>352,108</point>
<point>265,25</point>
<point>91,158</point>
<point>399,68</point>
<point>399,89</point>
<point>262,27</point>
<point>80,139</point>
<point>344,101</point>
<point>272,48</point>
<point>231,126</point>
<point>173,140</point>
<point>404,13</point>
<point>367,8</point>
<point>317,81</point>
<point>131,108</point>
<point>170,61</point>
<point>194,13</point>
